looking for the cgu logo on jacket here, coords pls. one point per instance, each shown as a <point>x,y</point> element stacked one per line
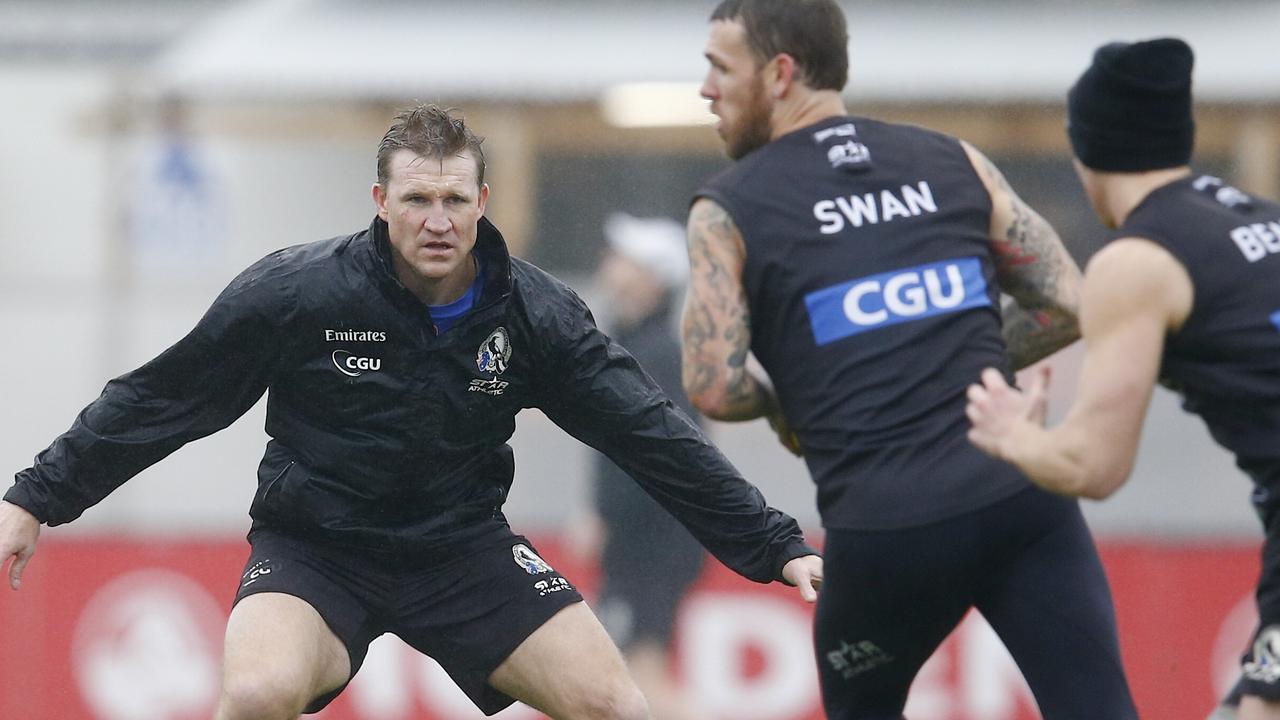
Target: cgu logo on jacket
<point>493,357</point>
<point>353,366</point>
<point>899,296</point>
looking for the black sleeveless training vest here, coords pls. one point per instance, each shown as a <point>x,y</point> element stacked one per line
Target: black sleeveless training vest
<point>1225,360</point>
<point>873,301</point>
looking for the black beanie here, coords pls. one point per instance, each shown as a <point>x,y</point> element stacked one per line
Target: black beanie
<point>1131,110</point>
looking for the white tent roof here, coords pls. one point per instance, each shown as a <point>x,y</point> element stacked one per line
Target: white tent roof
<point>543,51</point>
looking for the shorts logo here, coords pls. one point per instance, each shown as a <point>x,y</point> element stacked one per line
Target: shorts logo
<point>1264,663</point>
<point>529,560</point>
<point>853,660</point>
<point>554,585</point>
<point>353,366</point>
<point>494,353</point>
<point>913,293</point>
<point>1275,319</point>
<point>255,573</point>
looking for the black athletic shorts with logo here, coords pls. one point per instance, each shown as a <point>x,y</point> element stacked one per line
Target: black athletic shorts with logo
<point>1027,563</point>
<point>468,613</point>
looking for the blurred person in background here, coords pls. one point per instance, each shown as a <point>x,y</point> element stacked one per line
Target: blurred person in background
<point>177,210</point>
<point>649,560</point>
<point>1187,294</point>
<point>862,263</point>
<point>396,360</point>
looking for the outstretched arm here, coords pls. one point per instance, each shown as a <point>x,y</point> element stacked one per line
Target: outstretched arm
<point>716,330</point>
<point>1034,268</point>
<point>198,386</point>
<point>1134,293</point>
<point>596,391</point>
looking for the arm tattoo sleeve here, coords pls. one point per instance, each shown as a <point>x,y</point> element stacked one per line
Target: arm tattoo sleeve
<point>1035,269</point>
<point>717,324</point>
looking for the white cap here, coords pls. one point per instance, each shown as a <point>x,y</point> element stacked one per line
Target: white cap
<point>657,243</point>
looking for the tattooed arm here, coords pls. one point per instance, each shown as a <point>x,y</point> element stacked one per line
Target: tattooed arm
<point>1034,268</point>
<point>716,330</point>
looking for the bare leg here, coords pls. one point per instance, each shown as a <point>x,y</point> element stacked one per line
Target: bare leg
<point>1253,707</point>
<point>279,656</point>
<point>571,670</point>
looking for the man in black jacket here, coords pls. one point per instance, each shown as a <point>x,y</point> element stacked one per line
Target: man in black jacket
<point>397,359</point>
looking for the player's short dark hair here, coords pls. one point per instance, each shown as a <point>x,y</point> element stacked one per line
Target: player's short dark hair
<point>811,31</point>
<point>431,132</point>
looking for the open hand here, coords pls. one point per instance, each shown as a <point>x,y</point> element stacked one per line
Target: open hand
<point>805,572</point>
<point>999,411</point>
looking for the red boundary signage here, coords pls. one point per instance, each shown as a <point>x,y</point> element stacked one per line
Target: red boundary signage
<point>119,628</point>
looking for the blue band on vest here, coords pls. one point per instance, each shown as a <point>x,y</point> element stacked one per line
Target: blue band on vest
<point>899,296</point>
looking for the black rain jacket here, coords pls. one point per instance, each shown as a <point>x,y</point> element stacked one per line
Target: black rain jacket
<point>389,437</point>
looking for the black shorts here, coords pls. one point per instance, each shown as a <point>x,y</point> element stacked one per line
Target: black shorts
<point>1027,563</point>
<point>468,614</point>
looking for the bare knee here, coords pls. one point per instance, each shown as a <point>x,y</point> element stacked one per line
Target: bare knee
<point>250,697</point>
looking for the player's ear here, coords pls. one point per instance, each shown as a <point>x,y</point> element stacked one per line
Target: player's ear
<point>380,200</point>
<point>780,74</point>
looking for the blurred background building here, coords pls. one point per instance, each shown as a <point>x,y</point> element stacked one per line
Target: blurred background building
<point>150,149</point>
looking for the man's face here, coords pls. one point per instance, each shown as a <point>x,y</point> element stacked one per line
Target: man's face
<point>432,208</point>
<point>735,87</point>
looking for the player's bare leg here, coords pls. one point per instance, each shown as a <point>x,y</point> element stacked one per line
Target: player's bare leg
<point>1253,707</point>
<point>279,655</point>
<point>571,670</point>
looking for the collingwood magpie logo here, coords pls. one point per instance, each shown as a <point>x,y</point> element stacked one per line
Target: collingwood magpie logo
<point>842,147</point>
<point>529,560</point>
<point>1223,193</point>
<point>494,356</point>
<point>1264,665</point>
<point>494,352</point>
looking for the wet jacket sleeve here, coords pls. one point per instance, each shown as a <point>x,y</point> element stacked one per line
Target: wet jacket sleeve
<point>597,392</point>
<point>195,388</point>
<point>653,344</point>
